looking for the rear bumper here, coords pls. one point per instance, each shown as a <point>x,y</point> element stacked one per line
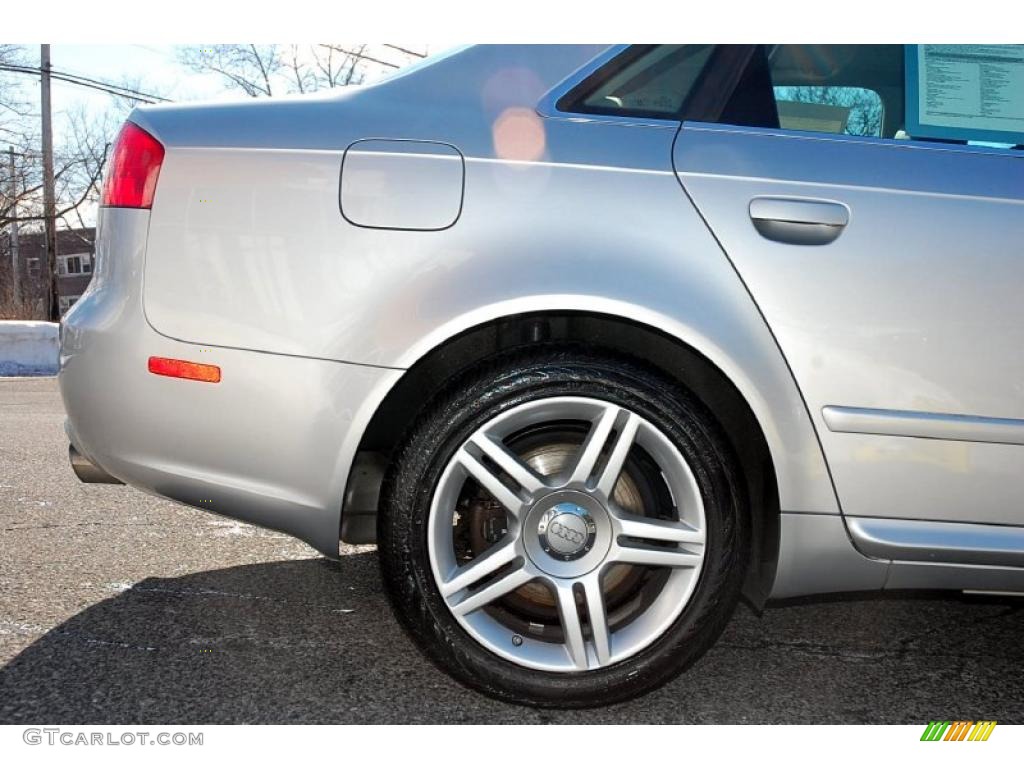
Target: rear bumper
<point>271,444</point>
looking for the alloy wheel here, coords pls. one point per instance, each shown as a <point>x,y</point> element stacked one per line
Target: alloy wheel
<point>584,560</point>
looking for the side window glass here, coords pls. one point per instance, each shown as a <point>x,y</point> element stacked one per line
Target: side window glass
<point>830,109</point>
<point>969,93</point>
<point>854,90</point>
<point>652,81</point>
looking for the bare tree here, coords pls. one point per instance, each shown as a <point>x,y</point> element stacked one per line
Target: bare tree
<point>249,67</point>
<point>80,156</point>
<point>79,161</point>
<point>83,158</point>
<point>18,130</point>
<point>265,70</point>
<point>335,68</point>
<point>14,107</point>
<point>302,77</point>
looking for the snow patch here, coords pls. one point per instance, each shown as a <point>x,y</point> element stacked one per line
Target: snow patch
<point>28,348</point>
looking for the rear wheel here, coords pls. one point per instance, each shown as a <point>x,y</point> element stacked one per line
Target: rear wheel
<point>561,529</point>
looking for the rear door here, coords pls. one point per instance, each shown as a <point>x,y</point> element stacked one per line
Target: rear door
<point>890,270</point>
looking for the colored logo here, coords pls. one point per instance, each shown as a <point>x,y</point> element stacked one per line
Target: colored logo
<point>958,730</point>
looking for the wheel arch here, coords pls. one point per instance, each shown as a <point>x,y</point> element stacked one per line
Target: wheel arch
<point>616,334</point>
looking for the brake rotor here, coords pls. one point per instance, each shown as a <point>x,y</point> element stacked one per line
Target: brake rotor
<point>486,522</point>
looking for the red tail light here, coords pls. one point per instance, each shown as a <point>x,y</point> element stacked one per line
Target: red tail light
<point>134,167</point>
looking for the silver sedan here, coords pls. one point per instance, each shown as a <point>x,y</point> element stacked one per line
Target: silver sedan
<point>590,341</point>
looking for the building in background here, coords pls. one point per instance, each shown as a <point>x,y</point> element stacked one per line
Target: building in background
<point>75,249</point>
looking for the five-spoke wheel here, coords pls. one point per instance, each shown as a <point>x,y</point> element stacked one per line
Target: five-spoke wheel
<point>563,529</point>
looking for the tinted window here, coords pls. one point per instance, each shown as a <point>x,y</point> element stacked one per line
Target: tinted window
<point>856,90</point>
<point>651,81</point>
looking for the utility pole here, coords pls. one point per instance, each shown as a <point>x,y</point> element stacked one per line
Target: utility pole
<point>49,201</point>
<point>15,261</point>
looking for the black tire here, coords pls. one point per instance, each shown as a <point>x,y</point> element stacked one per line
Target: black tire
<point>470,401</point>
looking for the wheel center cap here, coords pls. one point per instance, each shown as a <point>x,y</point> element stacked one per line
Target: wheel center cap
<point>566,531</point>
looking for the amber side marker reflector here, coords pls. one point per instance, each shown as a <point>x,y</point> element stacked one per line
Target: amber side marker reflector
<point>182,369</point>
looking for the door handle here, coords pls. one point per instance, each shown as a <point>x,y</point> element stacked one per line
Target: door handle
<point>798,221</point>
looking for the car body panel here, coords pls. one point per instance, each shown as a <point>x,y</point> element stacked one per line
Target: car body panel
<point>240,274</point>
<point>816,557</point>
<point>229,448</point>
<point>914,307</point>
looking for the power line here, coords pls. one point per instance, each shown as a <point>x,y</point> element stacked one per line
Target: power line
<point>86,82</point>
<point>361,56</point>
<point>124,88</point>
<point>110,88</point>
<point>406,51</point>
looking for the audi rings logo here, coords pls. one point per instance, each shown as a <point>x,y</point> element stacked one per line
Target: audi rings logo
<point>566,531</point>
<point>569,534</point>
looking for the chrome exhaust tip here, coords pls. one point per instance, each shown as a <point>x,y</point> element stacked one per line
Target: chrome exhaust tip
<point>88,472</point>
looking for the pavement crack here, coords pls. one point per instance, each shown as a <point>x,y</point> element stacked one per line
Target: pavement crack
<point>8,627</point>
<point>86,524</point>
<point>904,650</point>
<point>812,649</point>
<point>205,593</point>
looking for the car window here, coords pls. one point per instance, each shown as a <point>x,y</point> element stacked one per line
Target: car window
<point>847,89</point>
<point>861,90</point>
<point>855,90</point>
<point>651,81</point>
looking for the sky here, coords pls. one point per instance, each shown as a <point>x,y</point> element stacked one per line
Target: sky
<point>151,68</point>
<point>157,69</point>
<point>155,65</point>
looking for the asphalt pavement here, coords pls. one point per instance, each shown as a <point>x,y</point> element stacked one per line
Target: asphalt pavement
<point>118,607</point>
